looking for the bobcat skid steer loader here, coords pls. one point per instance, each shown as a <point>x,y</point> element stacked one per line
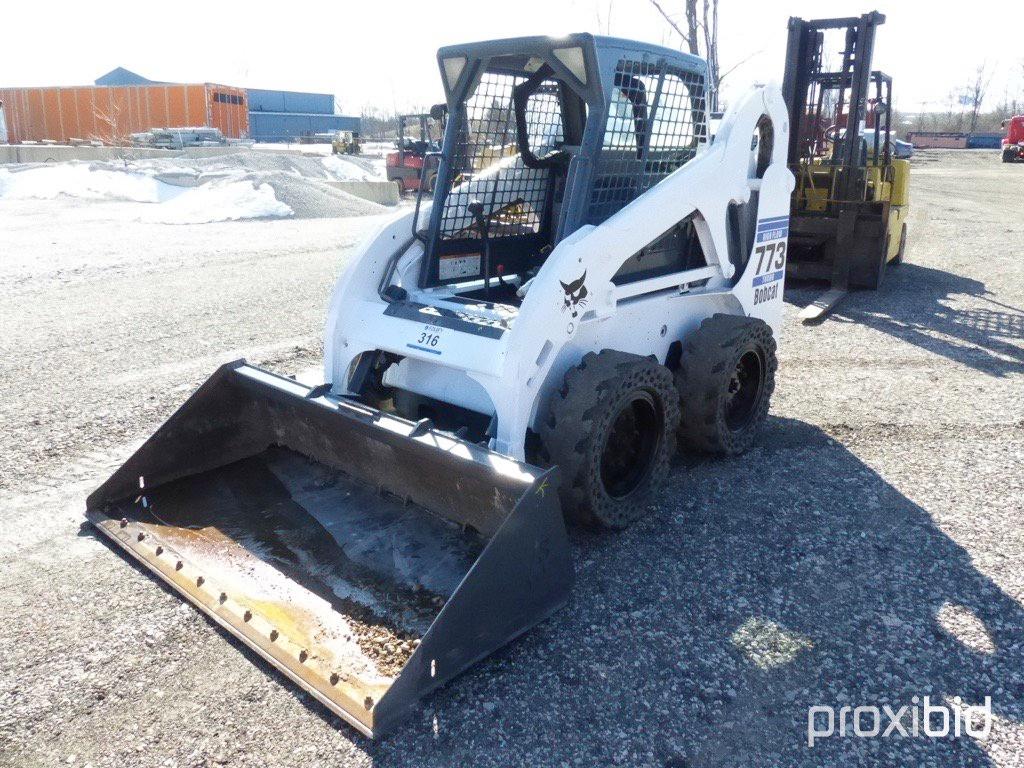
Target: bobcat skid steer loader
<point>592,280</point>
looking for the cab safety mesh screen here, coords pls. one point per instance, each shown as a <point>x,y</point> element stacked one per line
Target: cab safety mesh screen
<point>656,121</point>
<point>486,166</point>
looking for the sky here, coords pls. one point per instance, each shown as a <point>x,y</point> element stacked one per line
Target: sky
<point>383,54</point>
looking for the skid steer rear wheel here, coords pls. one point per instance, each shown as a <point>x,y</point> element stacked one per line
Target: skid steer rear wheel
<point>611,429</point>
<point>725,379</point>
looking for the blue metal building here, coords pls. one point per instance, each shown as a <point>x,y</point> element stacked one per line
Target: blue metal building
<point>122,76</point>
<point>261,100</point>
<point>289,115</point>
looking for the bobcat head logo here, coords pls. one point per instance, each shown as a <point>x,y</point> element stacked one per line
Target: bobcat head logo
<point>575,294</point>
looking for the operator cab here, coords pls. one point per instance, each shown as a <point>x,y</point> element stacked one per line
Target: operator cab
<point>544,135</point>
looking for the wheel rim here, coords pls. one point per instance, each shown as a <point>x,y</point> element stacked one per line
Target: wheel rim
<point>744,391</point>
<point>630,445</point>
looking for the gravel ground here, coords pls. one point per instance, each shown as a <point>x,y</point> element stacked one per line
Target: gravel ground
<point>867,551</point>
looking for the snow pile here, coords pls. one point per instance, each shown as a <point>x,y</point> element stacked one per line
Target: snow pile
<point>326,168</point>
<point>297,180</point>
<point>225,201</point>
<point>189,203</point>
<point>312,198</point>
<point>180,190</point>
<point>82,181</point>
<point>348,168</point>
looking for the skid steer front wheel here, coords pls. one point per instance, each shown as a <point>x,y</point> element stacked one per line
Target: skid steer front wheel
<point>725,378</point>
<point>611,429</point>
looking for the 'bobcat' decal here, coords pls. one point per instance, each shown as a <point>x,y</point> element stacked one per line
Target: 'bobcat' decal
<point>575,294</point>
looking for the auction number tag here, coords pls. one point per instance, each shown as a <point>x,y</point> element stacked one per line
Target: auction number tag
<point>427,339</point>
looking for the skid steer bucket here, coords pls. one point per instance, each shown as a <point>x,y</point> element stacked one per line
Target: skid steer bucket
<point>368,558</point>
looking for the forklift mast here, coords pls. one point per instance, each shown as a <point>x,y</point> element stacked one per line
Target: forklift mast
<point>424,131</point>
<point>848,212</point>
<point>811,78</point>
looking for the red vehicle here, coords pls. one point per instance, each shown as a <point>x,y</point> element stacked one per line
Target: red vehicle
<point>1013,142</point>
<point>406,165</point>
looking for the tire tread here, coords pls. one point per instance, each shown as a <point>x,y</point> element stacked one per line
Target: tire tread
<point>567,433</point>
<point>708,358</point>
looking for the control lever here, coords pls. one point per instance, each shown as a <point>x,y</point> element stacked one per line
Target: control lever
<point>476,210</point>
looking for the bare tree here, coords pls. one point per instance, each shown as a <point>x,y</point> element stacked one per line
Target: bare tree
<point>701,39</point>
<point>604,26</point>
<point>378,124</point>
<point>1015,101</point>
<point>974,93</point>
<point>113,131</point>
<point>691,38</point>
<point>1021,81</point>
<point>962,108</point>
<point>922,119</point>
<point>953,119</point>
<point>710,29</point>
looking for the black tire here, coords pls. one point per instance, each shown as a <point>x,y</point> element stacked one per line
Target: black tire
<point>898,259</point>
<point>1008,156</point>
<point>611,429</point>
<point>725,378</point>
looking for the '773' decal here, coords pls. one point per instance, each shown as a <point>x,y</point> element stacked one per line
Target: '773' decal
<point>771,262</point>
<point>771,268</point>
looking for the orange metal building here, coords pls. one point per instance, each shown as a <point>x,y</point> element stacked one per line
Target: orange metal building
<point>111,113</point>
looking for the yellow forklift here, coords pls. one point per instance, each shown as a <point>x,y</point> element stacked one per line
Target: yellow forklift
<point>851,201</point>
<point>345,143</point>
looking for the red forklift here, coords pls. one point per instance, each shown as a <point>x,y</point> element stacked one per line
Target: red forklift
<point>406,165</point>
<point>1013,141</point>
